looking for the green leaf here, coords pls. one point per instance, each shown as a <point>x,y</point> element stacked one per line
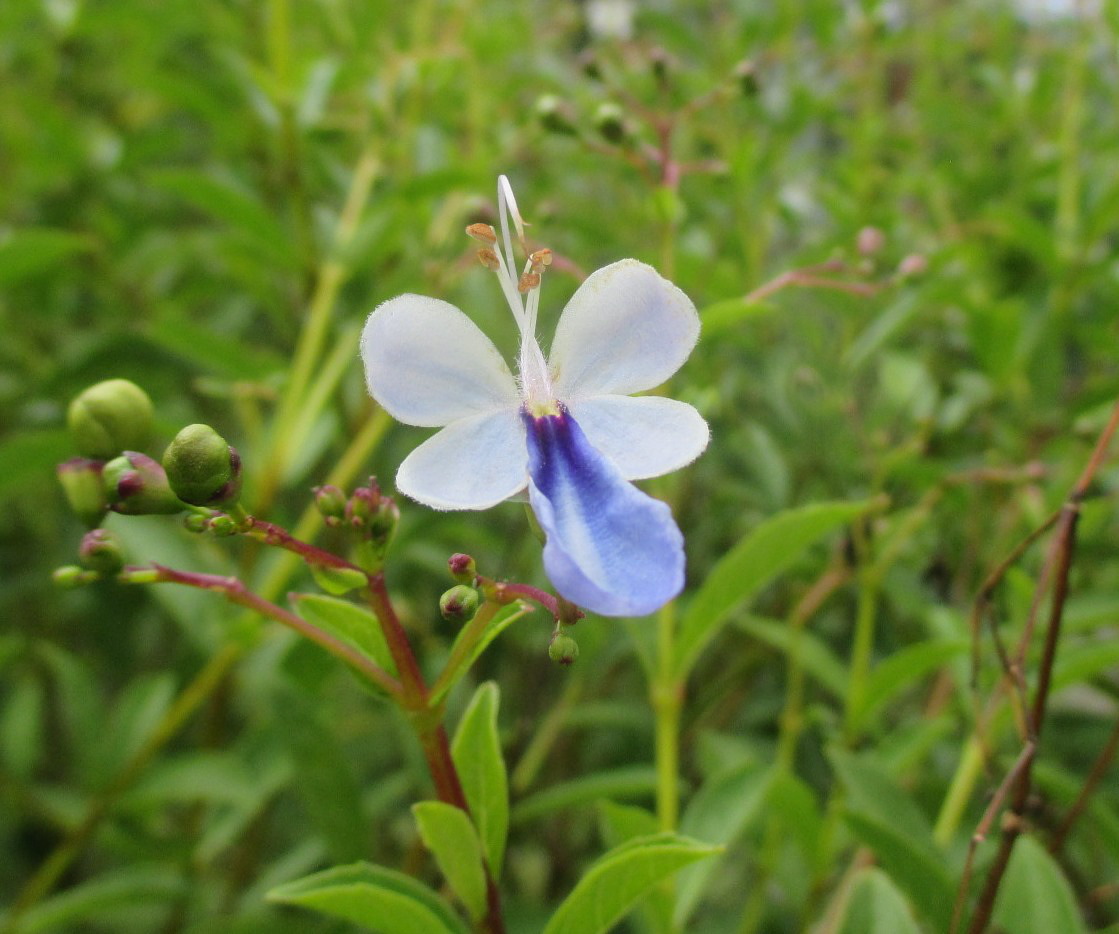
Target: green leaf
<point>815,655</point>
<point>32,251</point>
<point>476,751</point>
<point>615,882</point>
<point>620,823</point>
<point>758,558</point>
<point>502,620</point>
<point>875,906</point>
<point>103,900</point>
<point>886,820</point>
<point>721,810</point>
<point>902,670</point>
<point>1035,897</point>
<point>629,782</point>
<point>451,838</point>
<point>354,625</point>
<point>377,898</point>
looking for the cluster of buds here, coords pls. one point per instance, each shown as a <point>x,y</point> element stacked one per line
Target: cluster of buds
<point>460,603</point>
<point>367,512</point>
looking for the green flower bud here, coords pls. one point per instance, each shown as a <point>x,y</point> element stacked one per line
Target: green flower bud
<point>195,522</point>
<point>610,121</point>
<point>459,604</point>
<point>462,568</point>
<point>563,650</point>
<point>110,417</point>
<point>136,485</point>
<point>371,512</point>
<point>71,576</point>
<point>101,552</point>
<point>81,482</point>
<point>330,501</point>
<point>555,115</point>
<point>202,468</point>
<point>223,526</point>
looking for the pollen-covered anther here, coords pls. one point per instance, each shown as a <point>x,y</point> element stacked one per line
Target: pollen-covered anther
<point>482,232</point>
<point>528,282</point>
<point>488,258</point>
<point>541,259</point>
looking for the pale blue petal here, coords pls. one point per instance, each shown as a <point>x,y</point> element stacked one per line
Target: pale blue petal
<point>610,548</point>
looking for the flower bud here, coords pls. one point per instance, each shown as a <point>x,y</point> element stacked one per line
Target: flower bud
<point>555,115</point>
<point>459,603</point>
<point>462,567</point>
<point>81,482</point>
<point>136,485</point>
<point>330,501</point>
<point>222,525</point>
<point>195,522</point>
<point>100,552</point>
<point>371,512</point>
<point>913,265</point>
<point>71,576</point>
<point>661,63</point>
<point>109,417</point>
<point>870,240</point>
<point>563,650</point>
<point>202,468</point>
<point>610,121</point>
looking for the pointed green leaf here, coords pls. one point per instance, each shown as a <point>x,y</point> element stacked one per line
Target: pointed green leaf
<point>379,899</point>
<point>875,906</point>
<point>451,838</point>
<point>758,558</point>
<point>1035,897</point>
<point>354,625</point>
<point>901,670</point>
<point>481,768</point>
<point>627,782</point>
<point>615,882</point>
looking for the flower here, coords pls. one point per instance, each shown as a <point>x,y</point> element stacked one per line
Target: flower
<point>566,428</point>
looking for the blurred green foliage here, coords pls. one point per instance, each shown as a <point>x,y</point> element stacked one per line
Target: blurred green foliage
<point>191,190</point>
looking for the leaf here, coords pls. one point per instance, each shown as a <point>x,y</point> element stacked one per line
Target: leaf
<point>1035,897</point>
<point>815,655</point>
<point>502,620</point>
<point>875,906</point>
<point>721,810</point>
<point>451,838</point>
<point>31,251</point>
<point>476,751</point>
<point>615,882</point>
<point>759,557</point>
<point>620,823</point>
<point>886,820</point>
<point>95,903</point>
<point>901,670</point>
<point>377,898</point>
<point>629,782</point>
<point>354,625</point>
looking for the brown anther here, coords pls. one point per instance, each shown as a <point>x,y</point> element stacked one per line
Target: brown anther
<point>541,258</point>
<point>488,258</point>
<point>483,232</point>
<point>528,282</point>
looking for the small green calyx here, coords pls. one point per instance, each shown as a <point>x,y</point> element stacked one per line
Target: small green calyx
<point>101,552</point>
<point>71,576</point>
<point>563,650</point>
<point>330,501</point>
<point>202,468</point>
<point>81,483</point>
<point>109,417</point>
<point>135,485</point>
<point>459,604</point>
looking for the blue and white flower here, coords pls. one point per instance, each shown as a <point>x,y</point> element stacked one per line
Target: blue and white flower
<point>565,428</point>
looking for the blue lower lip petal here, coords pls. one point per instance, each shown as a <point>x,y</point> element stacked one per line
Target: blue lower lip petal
<point>610,548</point>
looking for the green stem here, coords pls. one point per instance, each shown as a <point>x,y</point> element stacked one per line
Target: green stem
<point>862,649</point>
<point>968,772</point>
<point>667,696</point>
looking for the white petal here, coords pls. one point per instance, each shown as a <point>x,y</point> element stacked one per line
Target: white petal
<point>473,463</point>
<point>428,364</point>
<point>645,436</point>
<point>626,329</point>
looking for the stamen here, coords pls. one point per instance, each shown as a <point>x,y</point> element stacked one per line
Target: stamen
<point>482,232</point>
<point>540,258</point>
<point>528,282</point>
<point>489,259</point>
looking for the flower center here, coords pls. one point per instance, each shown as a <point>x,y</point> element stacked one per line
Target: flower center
<point>522,293</point>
